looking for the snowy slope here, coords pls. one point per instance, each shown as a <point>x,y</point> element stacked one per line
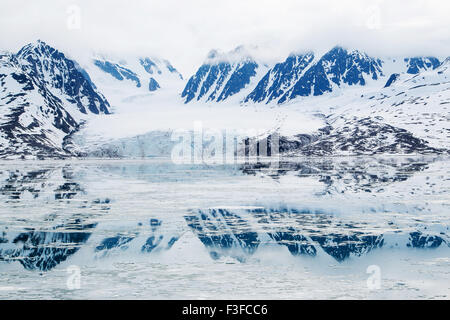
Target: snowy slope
<point>133,79</point>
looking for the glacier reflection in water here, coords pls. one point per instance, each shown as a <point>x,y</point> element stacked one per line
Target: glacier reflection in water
<point>153,229</point>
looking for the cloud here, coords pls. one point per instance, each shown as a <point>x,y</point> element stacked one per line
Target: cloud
<point>184,31</point>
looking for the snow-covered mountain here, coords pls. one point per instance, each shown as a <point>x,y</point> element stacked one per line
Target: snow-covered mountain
<point>336,68</point>
<point>418,64</point>
<point>365,105</point>
<point>124,79</point>
<point>306,74</point>
<point>44,97</point>
<point>279,79</point>
<point>224,75</point>
<point>300,75</point>
<point>62,76</point>
<point>409,114</point>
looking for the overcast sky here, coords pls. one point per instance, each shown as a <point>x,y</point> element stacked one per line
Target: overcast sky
<point>183,31</point>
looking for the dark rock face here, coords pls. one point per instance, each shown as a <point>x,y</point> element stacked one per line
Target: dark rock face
<point>239,79</point>
<point>194,83</point>
<point>301,75</point>
<point>153,85</point>
<point>336,67</point>
<point>25,137</point>
<point>280,78</point>
<point>418,64</point>
<point>419,240</point>
<point>217,81</point>
<point>394,77</point>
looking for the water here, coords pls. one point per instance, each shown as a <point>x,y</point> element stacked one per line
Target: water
<point>150,229</point>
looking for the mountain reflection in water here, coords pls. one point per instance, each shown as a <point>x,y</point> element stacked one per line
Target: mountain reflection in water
<point>50,210</point>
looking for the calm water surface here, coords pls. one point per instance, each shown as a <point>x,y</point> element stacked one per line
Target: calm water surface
<point>151,229</point>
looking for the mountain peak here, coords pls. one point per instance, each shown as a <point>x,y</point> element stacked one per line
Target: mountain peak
<point>38,47</point>
<point>222,75</point>
<point>336,67</point>
<point>54,70</point>
<point>238,54</point>
<point>44,100</point>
